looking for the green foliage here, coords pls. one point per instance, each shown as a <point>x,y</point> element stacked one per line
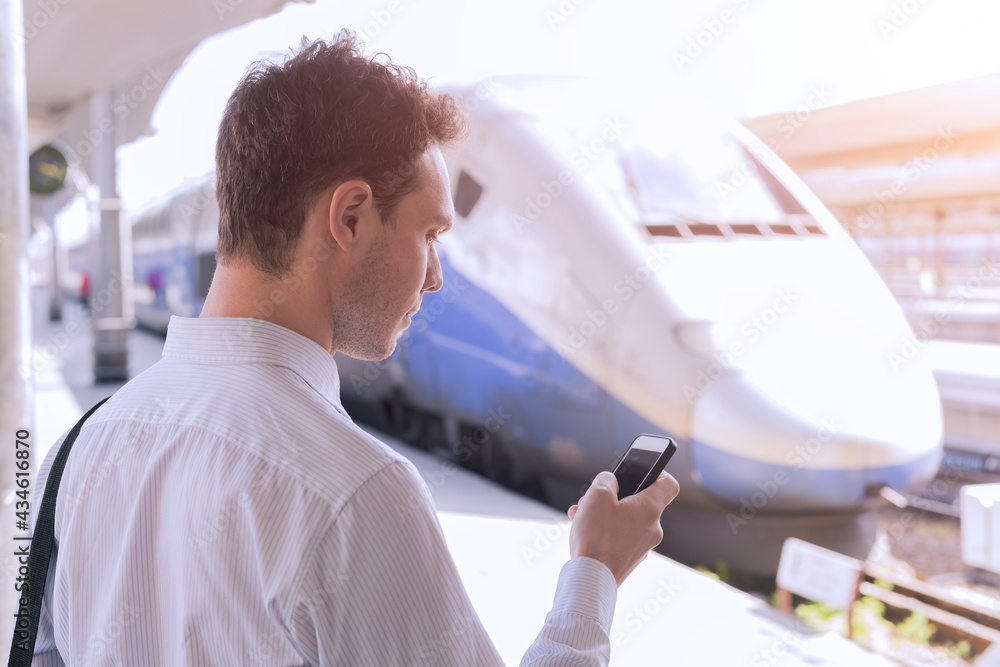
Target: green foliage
<point>870,623</point>
<point>875,609</point>
<point>721,571</point>
<point>917,628</point>
<point>882,583</point>
<point>817,615</point>
<point>874,605</point>
<point>961,649</point>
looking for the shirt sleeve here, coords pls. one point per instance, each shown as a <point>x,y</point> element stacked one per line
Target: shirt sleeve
<point>577,629</point>
<point>383,589</point>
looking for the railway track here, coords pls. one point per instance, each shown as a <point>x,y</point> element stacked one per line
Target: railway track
<point>958,613</point>
<point>958,468</point>
<point>968,607</point>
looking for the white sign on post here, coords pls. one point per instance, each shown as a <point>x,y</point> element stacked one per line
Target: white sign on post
<point>980,514</point>
<point>819,574</point>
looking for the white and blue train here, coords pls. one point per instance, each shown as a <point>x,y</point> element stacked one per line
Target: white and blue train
<point>614,272</point>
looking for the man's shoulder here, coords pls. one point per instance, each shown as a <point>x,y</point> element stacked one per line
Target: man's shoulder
<point>334,457</point>
<point>293,431</point>
<point>365,477</point>
<point>396,475</point>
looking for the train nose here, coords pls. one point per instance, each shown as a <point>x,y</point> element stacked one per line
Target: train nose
<point>753,449</point>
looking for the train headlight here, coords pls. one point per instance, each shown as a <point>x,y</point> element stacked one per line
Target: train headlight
<point>704,338</point>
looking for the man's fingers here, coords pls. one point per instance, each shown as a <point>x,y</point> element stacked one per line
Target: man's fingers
<point>572,511</point>
<point>663,490</point>
<point>605,480</point>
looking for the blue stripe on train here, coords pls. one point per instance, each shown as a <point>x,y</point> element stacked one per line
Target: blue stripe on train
<point>466,353</point>
<point>473,355</point>
<point>739,480</point>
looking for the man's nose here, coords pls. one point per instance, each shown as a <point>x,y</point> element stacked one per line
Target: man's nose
<point>435,277</point>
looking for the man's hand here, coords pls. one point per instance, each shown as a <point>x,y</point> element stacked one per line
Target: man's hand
<point>619,533</point>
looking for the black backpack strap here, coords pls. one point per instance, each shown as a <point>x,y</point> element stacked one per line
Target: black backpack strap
<point>22,646</point>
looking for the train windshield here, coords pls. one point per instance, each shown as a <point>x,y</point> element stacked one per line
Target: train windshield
<point>673,167</point>
<point>718,188</point>
<point>716,182</point>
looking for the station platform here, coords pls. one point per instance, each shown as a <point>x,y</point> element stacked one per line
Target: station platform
<point>966,371</point>
<point>968,378</point>
<point>509,550</point>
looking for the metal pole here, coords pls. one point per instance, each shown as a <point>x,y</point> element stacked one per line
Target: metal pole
<point>939,217</point>
<point>110,287</point>
<point>16,404</point>
<point>50,209</point>
<point>43,209</point>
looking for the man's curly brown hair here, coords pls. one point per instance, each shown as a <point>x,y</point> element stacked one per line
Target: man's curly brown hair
<point>325,115</point>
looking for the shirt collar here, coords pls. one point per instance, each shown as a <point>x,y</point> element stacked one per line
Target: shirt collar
<point>241,340</point>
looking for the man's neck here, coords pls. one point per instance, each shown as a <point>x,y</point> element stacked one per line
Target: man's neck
<point>241,291</point>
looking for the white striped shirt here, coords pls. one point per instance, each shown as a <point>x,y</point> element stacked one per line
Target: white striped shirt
<point>223,509</point>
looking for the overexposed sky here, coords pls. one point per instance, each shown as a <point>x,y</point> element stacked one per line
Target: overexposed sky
<point>751,56</point>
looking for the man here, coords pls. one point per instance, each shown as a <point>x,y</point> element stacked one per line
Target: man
<point>222,508</point>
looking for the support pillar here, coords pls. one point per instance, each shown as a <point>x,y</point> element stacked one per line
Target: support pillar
<point>56,297</point>
<point>16,404</point>
<point>111,247</point>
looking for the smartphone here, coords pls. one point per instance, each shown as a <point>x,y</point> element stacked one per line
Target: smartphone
<point>642,463</point>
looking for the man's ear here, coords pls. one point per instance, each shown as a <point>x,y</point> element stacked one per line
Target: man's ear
<point>352,210</point>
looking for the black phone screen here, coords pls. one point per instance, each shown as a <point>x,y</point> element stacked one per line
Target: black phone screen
<point>634,469</point>
<point>639,461</point>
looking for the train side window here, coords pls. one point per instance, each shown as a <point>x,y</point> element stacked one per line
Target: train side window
<point>745,228</point>
<point>664,230</point>
<point>467,193</point>
<point>704,229</point>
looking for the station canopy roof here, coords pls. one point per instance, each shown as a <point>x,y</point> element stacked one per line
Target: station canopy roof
<point>74,48</point>
<point>939,145</point>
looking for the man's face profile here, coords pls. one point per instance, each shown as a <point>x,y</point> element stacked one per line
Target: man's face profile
<point>398,266</point>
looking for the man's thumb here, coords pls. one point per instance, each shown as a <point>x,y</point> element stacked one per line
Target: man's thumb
<point>605,479</point>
